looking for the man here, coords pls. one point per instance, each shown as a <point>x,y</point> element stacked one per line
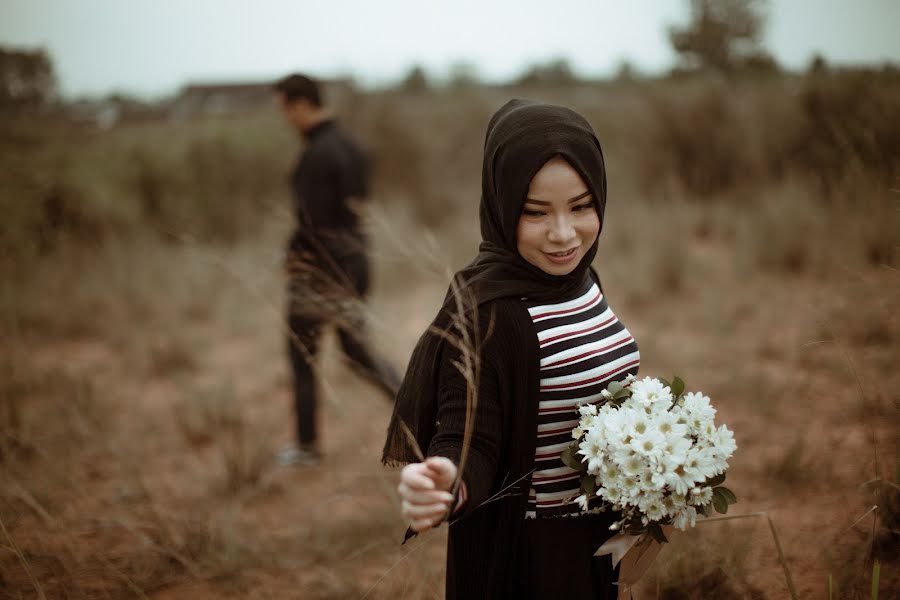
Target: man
<point>327,268</point>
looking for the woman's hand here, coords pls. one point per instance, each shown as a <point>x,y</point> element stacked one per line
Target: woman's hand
<point>425,491</point>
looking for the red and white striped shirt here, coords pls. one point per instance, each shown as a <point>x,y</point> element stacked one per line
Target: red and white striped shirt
<point>583,347</point>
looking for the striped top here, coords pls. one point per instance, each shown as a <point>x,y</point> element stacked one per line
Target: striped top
<point>583,347</point>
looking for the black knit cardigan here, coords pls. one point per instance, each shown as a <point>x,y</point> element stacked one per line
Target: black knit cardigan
<point>484,551</point>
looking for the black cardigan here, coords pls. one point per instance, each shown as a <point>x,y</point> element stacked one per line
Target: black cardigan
<point>484,558</point>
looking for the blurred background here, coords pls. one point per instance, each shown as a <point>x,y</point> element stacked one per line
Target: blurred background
<point>751,245</point>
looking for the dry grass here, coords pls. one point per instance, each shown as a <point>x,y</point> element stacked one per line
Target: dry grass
<point>143,383</point>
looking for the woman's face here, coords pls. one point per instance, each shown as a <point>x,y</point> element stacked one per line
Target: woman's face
<point>559,221</point>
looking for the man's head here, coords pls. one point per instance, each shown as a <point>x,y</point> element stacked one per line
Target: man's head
<point>300,101</point>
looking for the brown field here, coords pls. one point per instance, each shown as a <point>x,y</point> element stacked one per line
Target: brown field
<point>751,245</point>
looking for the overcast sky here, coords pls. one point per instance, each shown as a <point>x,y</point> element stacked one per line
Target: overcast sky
<point>153,47</point>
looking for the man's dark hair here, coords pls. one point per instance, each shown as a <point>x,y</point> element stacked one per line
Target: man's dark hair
<point>299,87</point>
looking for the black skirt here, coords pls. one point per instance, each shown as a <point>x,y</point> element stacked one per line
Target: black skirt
<point>561,561</point>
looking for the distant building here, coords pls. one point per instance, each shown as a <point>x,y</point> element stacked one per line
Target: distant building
<point>203,99</point>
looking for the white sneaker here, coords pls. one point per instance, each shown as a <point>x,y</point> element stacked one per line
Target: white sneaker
<point>297,455</point>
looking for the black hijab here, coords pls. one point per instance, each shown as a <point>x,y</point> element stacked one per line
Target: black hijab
<point>521,137</point>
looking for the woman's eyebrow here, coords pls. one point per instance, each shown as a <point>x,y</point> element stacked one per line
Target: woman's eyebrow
<point>575,199</point>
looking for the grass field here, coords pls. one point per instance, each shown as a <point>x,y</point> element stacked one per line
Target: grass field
<point>750,244</point>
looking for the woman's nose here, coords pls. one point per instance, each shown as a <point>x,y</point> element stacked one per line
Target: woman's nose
<point>561,229</point>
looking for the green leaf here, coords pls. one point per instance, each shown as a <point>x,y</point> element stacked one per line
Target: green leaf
<point>571,458</point>
<point>729,495</point>
<point>588,485</point>
<point>719,502</point>
<point>657,533</point>
<point>717,480</point>
<point>623,393</point>
<point>665,382</point>
<point>705,509</point>
<point>677,387</point>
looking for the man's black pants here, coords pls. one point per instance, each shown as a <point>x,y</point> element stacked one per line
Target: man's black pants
<point>321,293</point>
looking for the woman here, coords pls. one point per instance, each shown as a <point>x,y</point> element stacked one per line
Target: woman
<point>530,309</point>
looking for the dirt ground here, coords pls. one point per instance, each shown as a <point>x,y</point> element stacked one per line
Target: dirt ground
<point>157,481</point>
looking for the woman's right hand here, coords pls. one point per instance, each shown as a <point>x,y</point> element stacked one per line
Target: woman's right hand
<point>425,491</point>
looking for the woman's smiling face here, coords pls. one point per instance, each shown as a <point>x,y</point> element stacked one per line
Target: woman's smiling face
<point>559,221</point>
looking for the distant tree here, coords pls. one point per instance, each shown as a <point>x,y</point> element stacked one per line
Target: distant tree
<point>416,80</point>
<point>463,75</point>
<point>625,71</point>
<point>817,66</point>
<point>552,74</point>
<point>26,79</point>
<point>723,35</point>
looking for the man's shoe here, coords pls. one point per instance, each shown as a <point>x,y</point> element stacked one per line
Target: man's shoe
<point>298,455</point>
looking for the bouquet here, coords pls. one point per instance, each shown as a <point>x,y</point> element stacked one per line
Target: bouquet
<point>654,453</point>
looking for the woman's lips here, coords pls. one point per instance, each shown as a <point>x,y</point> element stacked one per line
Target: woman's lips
<point>561,258</point>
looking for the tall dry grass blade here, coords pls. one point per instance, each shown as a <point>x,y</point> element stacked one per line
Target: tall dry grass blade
<point>125,579</point>
<point>23,561</point>
<point>386,573</point>
<point>876,576</point>
<point>17,491</point>
<point>412,440</point>
<point>830,587</point>
<point>862,397</point>
<point>865,514</point>
<point>500,493</point>
<point>879,480</point>
<point>782,559</point>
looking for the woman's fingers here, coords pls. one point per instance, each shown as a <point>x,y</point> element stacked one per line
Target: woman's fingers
<point>417,480</point>
<point>422,511</point>
<point>419,521</point>
<point>424,491</point>
<point>415,496</point>
<point>420,525</point>
<point>441,466</point>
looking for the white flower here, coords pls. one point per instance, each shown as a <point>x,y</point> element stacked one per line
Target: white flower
<point>723,440</point>
<point>577,432</point>
<point>650,444</point>
<point>582,501</point>
<point>606,394</point>
<point>701,496</point>
<point>687,517</point>
<point>634,465</point>
<point>648,391</point>
<point>610,494</point>
<point>587,409</point>
<point>653,509</point>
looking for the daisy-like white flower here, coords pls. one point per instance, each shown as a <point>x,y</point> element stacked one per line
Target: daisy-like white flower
<point>685,518</point>
<point>648,391</point>
<point>653,509</point>
<point>582,501</point>
<point>697,405</point>
<point>701,496</point>
<point>650,444</point>
<point>587,409</point>
<point>611,494</point>
<point>634,465</point>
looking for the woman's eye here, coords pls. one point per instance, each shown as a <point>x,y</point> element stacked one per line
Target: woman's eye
<point>585,206</point>
<point>532,213</point>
